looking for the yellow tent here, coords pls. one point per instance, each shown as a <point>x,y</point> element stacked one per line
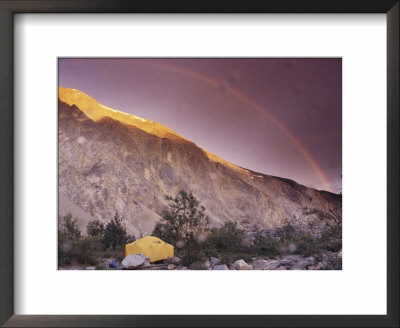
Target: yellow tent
<point>152,247</point>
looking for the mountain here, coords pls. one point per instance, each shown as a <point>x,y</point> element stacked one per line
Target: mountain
<point>110,161</point>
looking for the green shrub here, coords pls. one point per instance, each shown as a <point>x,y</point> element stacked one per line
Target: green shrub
<point>79,251</point>
<point>264,244</point>
<point>95,228</point>
<point>114,233</point>
<point>228,238</point>
<point>227,259</point>
<point>101,242</point>
<point>306,244</point>
<point>331,239</point>
<point>67,228</point>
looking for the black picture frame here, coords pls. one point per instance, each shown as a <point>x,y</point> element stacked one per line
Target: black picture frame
<point>10,7</point>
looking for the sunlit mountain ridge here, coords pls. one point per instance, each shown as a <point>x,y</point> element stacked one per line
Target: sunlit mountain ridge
<point>96,111</point>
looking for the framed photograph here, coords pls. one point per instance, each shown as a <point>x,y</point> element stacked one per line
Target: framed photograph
<point>197,164</point>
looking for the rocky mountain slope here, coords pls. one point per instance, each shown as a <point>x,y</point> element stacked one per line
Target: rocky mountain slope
<point>111,161</point>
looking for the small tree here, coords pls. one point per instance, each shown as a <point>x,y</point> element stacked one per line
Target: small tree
<point>114,233</point>
<point>68,228</point>
<point>95,228</point>
<point>184,224</point>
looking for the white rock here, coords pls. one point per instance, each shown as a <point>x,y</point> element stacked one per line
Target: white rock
<point>238,264</point>
<point>134,261</point>
<point>221,267</point>
<point>176,260</point>
<point>214,261</point>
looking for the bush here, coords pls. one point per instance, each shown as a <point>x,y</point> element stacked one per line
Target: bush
<point>68,227</point>
<point>306,244</point>
<point>331,239</point>
<point>264,244</point>
<point>228,238</point>
<point>227,259</point>
<point>101,242</point>
<point>84,251</point>
<point>95,228</point>
<point>114,233</point>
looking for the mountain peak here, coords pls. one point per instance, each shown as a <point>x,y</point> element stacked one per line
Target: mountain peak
<point>96,111</point>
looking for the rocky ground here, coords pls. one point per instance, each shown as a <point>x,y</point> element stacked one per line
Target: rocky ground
<point>322,261</point>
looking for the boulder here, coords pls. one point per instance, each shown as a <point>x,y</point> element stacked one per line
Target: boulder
<point>214,261</point>
<point>259,264</point>
<point>176,260</point>
<point>207,264</point>
<point>239,263</point>
<point>265,264</point>
<point>221,267</point>
<point>246,267</point>
<point>301,265</point>
<point>171,267</point>
<point>135,261</point>
<point>281,268</point>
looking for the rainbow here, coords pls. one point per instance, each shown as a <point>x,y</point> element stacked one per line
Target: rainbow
<point>252,104</point>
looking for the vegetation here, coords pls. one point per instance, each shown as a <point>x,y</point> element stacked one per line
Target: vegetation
<point>95,228</point>
<point>101,241</point>
<point>68,228</point>
<point>184,225</point>
<point>185,221</point>
<point>228,238</point>
<point>264,244</point>
<point>114,233</point>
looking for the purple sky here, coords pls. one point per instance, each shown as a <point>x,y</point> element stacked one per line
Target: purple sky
<point>281,117</point>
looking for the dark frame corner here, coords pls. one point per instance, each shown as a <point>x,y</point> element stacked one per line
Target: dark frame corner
<point>10,7</point>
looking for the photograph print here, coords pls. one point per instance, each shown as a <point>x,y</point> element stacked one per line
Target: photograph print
<point>200,164</point>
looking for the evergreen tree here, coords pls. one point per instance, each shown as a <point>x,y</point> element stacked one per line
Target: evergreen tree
<point>184,224</point>
<point>114,233</point>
